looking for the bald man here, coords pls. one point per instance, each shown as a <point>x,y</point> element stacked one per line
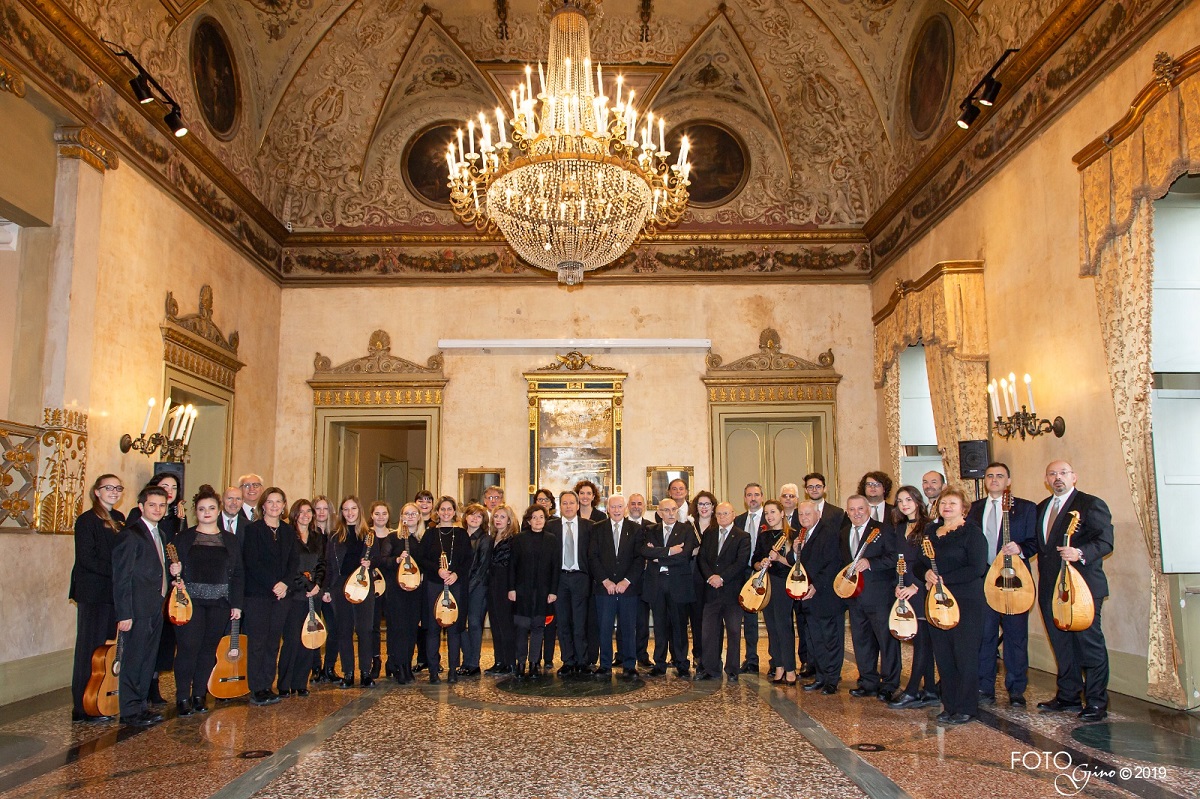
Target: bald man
<point>724,553</point>
<point>1082,656</point>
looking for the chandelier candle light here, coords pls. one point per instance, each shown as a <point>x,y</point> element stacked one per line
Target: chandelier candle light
<point>578,180</point>
<point>174,432</point>
<point>1019,419</point>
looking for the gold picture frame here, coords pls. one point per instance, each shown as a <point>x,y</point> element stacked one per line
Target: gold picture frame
<point>658,478</point>
<point>473,483</point>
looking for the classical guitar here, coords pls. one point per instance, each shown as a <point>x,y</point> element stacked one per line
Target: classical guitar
<point>1073,606</point>
<point>941,608</point>
<point>756,593</point>
<point>313,634</point>
<point>445,608</point>
<point>228,678</point>
<point>100,696</point>
<point>359,584</point>
<point>902,623</point>
<point>849,583</point>
<point>1008,586</point>
<point>179,603</point>
<point>796,585</point>
<point>408,575</point>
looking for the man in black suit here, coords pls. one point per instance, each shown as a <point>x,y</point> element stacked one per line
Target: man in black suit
<point>667,586</point>
<point>252,488</point>
<point>1082,656</point>
<point>814,487</point>
<point>932,483</point>
<point>876,652</point>
<point>752,522</point>
<point>574,585</point>
<point>824,611</point>
<point>724,554</point>
<point>139,588</point>
<point>988,513</point>
<point>232,518</point>
<point>877,487</point>
<point>635,508</point>
<point>616,569</point>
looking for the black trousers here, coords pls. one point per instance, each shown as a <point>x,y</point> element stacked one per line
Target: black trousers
<point>803,640</point>
<point>1016,651</point>
<point>403,612</point>
<point>549,637</point>
<point>263,620</point>
<point>781,635</point>
<point>921,678</point>
<point>504,631</point>
<point>196,648</point>
<point>138,656</point>
<point>722,615</point>
<point>593,634</point>
<point>696,623</point>
<point>750,631</point>
<point>354,620</point>
<point>433,635</point>
<point>328,612</point>
<point>670,631</point>
<point>95,625</point>
<point>472,642</point>
<point>956,652</point>
<point>1082,658</point>
<point>295,660</point>
<point>530,631</point>
<point>165,659</point>
<point>619,610</point>
<point>828,638</point>
<point>570,611</point>
<point>377,625</point>
<point>876,652</point>
<point>643,630</point>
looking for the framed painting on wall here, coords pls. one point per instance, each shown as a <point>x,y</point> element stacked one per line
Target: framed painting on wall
<point>659,478</point>
<point>473,482</point>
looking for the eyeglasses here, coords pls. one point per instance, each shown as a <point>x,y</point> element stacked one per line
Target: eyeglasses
<point>118,489</point>
<point>1063,473</point>
<point>787,496</point>
<point>252,485</point>
<point>814,487</point>
<point>873,484</point>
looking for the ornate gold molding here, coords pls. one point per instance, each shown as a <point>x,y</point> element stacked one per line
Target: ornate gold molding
<point>60,486</point>
<point>574,361</point>
<point>20,446</point>
<point>906,287</point>
<point>771,376</point>
<point>77,141</point>
<point>11,79</point>
<point>378,379</point>
<point>194,343</point>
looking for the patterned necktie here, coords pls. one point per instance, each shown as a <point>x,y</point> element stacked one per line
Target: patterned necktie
<point>1051,517</point>
<point>854,539</point>
<point>569,542</point>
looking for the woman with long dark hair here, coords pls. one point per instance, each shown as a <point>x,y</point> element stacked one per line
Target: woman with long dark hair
<point>308,575</point>
<point>533,574</point>
<point>345,552</point>
<point>500,609</point>
<point>402,607</point>
<point>325,670</point>
<point>781,634</point>
<point>589,494</point>
<point>380,517</point>
<point>449,542</point>
<point>269,557</point>
<point>210,563</point>
<point>910,521</point>
<point>91,583</point>
<point>423,499</point>
<point>703,518</point>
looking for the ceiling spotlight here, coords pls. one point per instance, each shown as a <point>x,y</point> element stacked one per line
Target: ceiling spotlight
<point>141,88</point>
<point>175,122</point>
<point>969,115</point>
<point>991,90</point>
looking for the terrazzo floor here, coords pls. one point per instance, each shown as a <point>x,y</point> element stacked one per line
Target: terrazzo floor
<point>668,737</point>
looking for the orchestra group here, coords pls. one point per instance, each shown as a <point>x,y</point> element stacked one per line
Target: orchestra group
<point>921,565</point>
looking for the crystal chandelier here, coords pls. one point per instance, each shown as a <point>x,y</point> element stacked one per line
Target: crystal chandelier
<point>574,187</point>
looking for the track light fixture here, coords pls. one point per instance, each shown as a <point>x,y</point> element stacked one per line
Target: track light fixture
<point>147,90</point>
<point>984,93</point>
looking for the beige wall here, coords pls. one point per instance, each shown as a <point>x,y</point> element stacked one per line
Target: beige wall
<point>1042,319</point>
<point>485,420</point>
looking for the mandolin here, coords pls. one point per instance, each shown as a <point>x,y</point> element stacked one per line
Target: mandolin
<point>359,584</point>
<point>228,678</point>
<point>1008,586</point>
<point>1073,607</point>
<point>377,582</point>
<point>100,696</point>
<point>849,583</point>
<point>797,584</point>
<point>902,623</point>
<point>756,593</point>
<point>313,634</point>
<point>445,609</point>
<point>941,608</point>
<point>179,604</point>
<point>408,575</point>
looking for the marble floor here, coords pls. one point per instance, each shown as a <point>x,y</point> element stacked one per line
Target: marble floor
<point>667,737</point>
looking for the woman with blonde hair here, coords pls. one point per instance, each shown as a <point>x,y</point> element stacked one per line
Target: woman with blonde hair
<point>345,552</point>
<point>500,608</point>
<point>402,607</point>
<point>445,557</point>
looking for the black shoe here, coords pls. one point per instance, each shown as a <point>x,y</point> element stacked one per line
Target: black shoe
<point>332,676</point>
<point>749,668</point>
<point>347,682</point>
<point>732,677</point>
<point>884,695</point>
<point>1016,700</point>
<point>929,698</point>
<point>376,667</point>
<point>815,685</point>
<point>1057,705</point>
<point>566,671</point>
<point>315,676</point>
<point>656,671</point>
<point>683,674</point>
<point>183,707</point>
<point>285,693</point>
<point>420,666</point>
<point>903,701</point>
<point>859,693</point>
<point>987,700</point>
<point>645,663</point>
<point>198,704</point>
<point>959,718</point>
<point>630,674</point>
<point>261,698</point>
<point>301,692</point>
<point>143,719</point>
<point>79,716</point>
<point>155,696</point>
<point>367,680</point>
<point>434,679</point>
<point>472,672</point>
<point>1093,713</point>
<point>704,675</point>
<point>807,671</point>
<point>602,671</point>
<point>452,677</point>
<point>943,717</point>
<point>829,689</point>
<point>496,669</point>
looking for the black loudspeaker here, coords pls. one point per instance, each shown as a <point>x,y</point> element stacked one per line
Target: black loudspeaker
<point>171,467</point>
<point>972,459</point>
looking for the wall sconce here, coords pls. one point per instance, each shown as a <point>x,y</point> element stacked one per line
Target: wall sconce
<point>1019,419</point>
<point>173,434</point>
<point>984,93</point>
<point>147,90</point>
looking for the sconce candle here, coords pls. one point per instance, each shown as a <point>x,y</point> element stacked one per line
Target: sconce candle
<point>191,426</point>
<point>162,419</point>
<point>149,409</point>
<point>1012,389</point>
<point>1004,391</point>
<point>995,402</point>
<point>1029,391</point>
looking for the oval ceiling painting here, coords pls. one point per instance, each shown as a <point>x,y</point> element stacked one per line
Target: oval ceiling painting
<point>424,164</point>
<point>215,75</point>
<point>719,162</point>
<point>930,74</point>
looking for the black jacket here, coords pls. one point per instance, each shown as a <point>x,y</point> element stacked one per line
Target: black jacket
<point>308,566</point>
<point>676,581</point>
<point>879,582</point>
<point>821,555</point>
<point>533,571</point>
<point>137,574</point>
<point>481,559</point>
<point>1093,537</point>
<point>269,557</point>
<point>1022,525</point>
<point>583,536</point>
<point>236,574</point>
<point>626,563</point>
<point>729,563</point>
<point>767,540</point>
<point>91,577</point>
<point>961,559</point>
<point>455,542</point>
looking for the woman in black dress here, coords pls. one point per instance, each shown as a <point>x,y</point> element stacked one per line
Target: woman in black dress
<point>91,583</point>
<point>402,606</point>
<point>910,520</point>
<point>269,557</point>
<point>475,520</point>
<point>533,574</point>
<point>961,551</point>
<point>308,575</point>
<point>781,634</point>
<point>703,518</point>
<point>325,669</point>
<point>380,516</point>
<point>449,542</point>
<point>500,609</point>
<point>424,502</point>
<point>210,563</point>
<point>345,552</point>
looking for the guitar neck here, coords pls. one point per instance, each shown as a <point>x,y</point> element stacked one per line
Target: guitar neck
<point>235,632</point>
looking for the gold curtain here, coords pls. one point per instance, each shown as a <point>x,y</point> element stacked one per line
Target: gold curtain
<point>1161,142</point>
<point>945,311</point>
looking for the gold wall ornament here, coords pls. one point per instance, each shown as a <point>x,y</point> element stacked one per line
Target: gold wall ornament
<point>194,344</point>
<point>1166,69</point>
<point>574,361</point>
<point>20,446</point>
<point>377,379</point>
<point>60,486</point>
<point>11,80</point>
<point>77,141</point>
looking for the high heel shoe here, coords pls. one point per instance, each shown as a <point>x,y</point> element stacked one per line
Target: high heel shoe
<point>376,667</point>
<point>786,681</point>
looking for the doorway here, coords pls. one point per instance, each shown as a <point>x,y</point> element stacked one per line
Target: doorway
<point>373,460</point>
<point>208,446</point>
